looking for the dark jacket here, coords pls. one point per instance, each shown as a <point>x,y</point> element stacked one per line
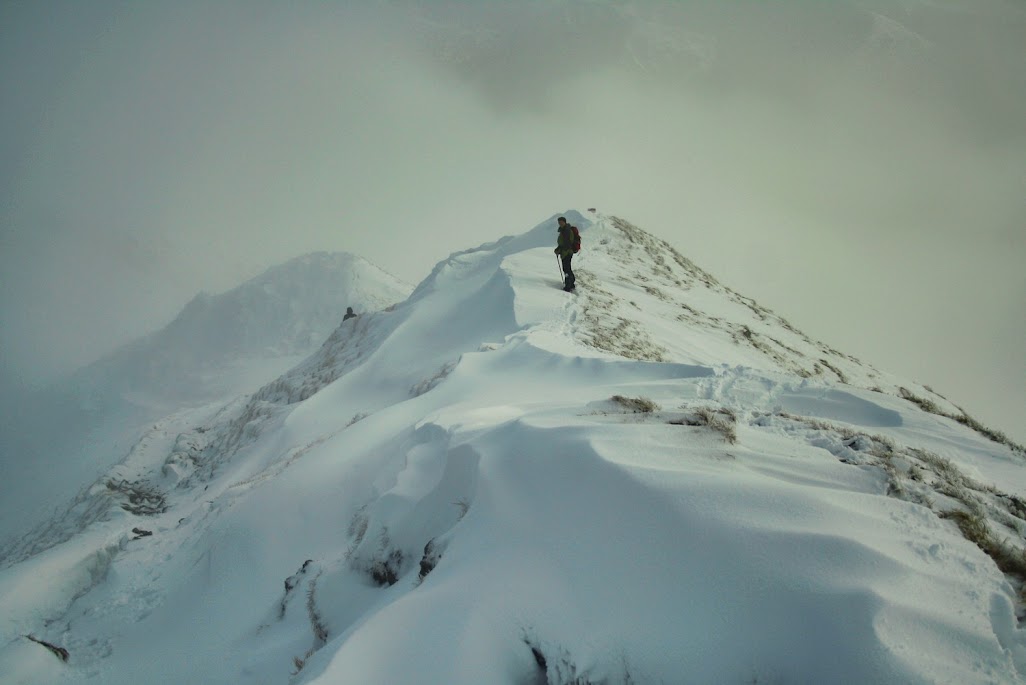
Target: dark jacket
<point>565,241</point>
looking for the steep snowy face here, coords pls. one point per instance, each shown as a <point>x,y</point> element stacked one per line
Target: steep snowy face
<point>653,479</point>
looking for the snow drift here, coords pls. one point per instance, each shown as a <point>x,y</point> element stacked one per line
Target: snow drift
<point>652,480</point>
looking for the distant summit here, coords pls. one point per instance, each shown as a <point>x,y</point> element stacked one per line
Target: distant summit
<point>224,344</point>
<point>218,347</point>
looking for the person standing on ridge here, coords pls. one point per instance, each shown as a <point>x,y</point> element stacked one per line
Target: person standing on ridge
<point>567,243</point>
<point>349,314</point>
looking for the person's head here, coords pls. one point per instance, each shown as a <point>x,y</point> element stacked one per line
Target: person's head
<point>349,310</point>
<point>562,221</point>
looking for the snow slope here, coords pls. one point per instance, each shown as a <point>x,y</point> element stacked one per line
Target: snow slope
<point>224,342</point>
<point>652,480</point>
<point>218,347</point>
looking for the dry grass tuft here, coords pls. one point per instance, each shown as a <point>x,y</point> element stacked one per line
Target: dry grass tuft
<point>638,405</point>
<point>721,420</point>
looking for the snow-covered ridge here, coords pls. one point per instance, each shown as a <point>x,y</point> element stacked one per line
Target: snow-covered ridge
<point>218,347</point>
<point>652,480</point>
<point>636,272</point>
<point>287,311</point>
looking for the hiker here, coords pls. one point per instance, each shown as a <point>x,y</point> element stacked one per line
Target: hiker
<point>566,245</point>
<point>350,314</point>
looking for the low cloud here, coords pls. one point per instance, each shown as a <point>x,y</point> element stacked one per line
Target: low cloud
<point>857,166</point>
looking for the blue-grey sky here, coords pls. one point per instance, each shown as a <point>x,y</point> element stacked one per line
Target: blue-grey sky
<point>859,166</point>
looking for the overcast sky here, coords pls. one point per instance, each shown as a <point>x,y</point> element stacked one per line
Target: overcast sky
<point>859,167</point>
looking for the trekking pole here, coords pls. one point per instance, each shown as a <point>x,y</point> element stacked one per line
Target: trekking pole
<point>562,276</point>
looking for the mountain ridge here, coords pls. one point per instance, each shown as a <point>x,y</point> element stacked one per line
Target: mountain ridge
<point>286,311</point>
<point>218,346</point>
<point>497,481</point>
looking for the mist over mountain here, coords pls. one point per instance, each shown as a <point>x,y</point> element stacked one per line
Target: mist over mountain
<point>155,150</point>
<point>56,440</point>
<point>652,479</point>
<point>283,314</point>
<point>911,54</point>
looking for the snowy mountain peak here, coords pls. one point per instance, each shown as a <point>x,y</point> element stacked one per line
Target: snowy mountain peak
<point>653,479</point>
<point>225,341</point>
<point>216,348</point>
<point>288,309</point>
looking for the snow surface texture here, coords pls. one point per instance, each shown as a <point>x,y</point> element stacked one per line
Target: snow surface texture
<point>651,480</point>
<point>218,347</point>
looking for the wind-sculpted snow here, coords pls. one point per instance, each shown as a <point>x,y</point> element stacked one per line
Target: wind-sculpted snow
<point>651,480</point>
<point>674,564</point>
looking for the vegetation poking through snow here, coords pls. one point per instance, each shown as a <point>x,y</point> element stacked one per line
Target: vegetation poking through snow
<point>963,418</point>
<point>925,404</point>
<point>320,631</point>
<point>721,419</point>
<point>430,383</point>
<point>411,467</point>
<point>654,250</point>
<point>142,498</point>
<point>667,278</point>
<point>837,372</point>
<point>59,652</point>
<point>974,527</point>
<point>557,666</point>
<point>385,570</point>
<point>743,335</point>
<point>291,583</point>
<point>386,565</point>
<point>927,479</point>
<point>357,530</point>
<point>610,332</point>
<point>989,433</point>
<point>638,405</point>
<point>358,526</point>
<point>432,555</point>
<point>198,454</point>
<point>343,350</point>
<point>539,659</point>
<point>243,429</point>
